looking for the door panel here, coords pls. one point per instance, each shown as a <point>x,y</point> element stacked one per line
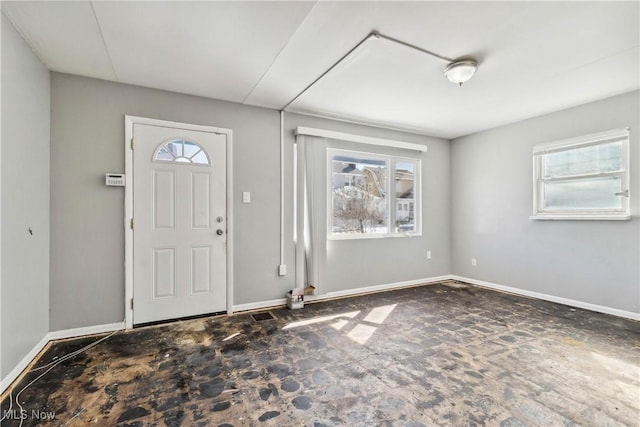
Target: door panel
<point>200,269</point>
<point>179,191</point>
<point>164,272</point>
<point>200,200</point>
<point>164,200</point>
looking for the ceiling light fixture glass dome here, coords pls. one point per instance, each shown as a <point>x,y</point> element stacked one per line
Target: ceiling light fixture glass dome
<point>461,71</point>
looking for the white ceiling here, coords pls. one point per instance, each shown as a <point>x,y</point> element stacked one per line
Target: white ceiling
<point>535,57</point>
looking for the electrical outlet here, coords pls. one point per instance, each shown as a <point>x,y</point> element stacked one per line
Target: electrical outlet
<point>474,262</point>
<point>282,270</point>
<point>428,254</point>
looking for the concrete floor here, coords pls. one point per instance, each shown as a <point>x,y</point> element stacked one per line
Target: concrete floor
<point>444,354</point>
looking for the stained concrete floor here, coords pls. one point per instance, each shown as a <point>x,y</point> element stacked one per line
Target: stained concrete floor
<point>444,354</point>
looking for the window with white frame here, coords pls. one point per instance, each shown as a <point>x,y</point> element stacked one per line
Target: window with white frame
<point>373,195</point>
<point>582,178</point>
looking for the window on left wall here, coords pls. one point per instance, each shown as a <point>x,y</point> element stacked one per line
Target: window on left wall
<point>372,195</point>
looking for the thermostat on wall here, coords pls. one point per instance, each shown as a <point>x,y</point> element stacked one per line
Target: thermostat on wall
<point>114,179</point>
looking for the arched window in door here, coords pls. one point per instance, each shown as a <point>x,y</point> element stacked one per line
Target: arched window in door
<point>181,151</point>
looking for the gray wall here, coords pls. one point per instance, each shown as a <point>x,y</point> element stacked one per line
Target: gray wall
<point>25,199</point>
<point>595,262</point>
<point>489,219</point>
<point>87,235</point>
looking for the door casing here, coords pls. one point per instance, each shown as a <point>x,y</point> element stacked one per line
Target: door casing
<point>128,205</point>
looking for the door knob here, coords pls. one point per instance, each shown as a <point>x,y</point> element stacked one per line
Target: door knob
<point>219,232</point>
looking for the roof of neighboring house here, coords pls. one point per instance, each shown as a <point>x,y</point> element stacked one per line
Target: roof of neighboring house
<point>377,187</point>
<point>403,174</point>
<point>346,168</point>
<point>349,168</point>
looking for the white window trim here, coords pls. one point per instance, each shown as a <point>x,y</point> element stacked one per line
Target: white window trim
<point>539,150</point>
<point>391,199</point>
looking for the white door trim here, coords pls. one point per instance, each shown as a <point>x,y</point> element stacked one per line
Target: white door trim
<point>128,205</point>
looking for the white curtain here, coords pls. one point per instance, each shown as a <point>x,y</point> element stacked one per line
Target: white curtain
<point>311,211</point>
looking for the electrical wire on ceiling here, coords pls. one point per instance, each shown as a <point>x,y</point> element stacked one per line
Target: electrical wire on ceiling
<point>457,71</point>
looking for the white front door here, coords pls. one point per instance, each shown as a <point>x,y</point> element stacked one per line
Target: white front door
<point>179,228</point>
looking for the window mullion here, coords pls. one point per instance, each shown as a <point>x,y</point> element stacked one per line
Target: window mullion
<point>583,176</point>
<point>391,190</point>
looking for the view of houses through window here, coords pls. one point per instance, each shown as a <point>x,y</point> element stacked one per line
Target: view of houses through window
<point>405,197</point>
<point>362,202</point>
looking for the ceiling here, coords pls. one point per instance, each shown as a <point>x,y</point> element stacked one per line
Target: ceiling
<point>535,57</point>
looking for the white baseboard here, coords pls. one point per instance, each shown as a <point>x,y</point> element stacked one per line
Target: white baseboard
<point>376,288</point>
<point>551,298</point>
<point>87,330</point>
<point>23,364</point>
<point>339,294</point>
<point>52,336</point>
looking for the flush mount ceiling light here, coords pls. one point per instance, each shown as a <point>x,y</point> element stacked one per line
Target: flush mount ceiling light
<point>460,71</point>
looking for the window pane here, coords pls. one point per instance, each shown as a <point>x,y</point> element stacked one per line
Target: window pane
<point>584,160</point>
<point>404,187</point>
<point>175,147</point>
<point>165,155</point>
<point>359,195</point>
<point>182,151</point>
<point>190,148</point>
<point>588,193</point>
<point>200,158</point>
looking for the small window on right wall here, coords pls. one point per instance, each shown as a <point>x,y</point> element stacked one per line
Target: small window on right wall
<point>582,178</point>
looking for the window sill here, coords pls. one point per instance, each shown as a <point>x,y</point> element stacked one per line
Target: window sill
<point>580,217</point>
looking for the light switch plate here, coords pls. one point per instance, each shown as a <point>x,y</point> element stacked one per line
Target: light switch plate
<point>246,197</point>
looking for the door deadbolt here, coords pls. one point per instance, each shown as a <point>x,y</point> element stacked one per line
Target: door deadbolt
<point>219,219</point>
<point>219,232</point>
